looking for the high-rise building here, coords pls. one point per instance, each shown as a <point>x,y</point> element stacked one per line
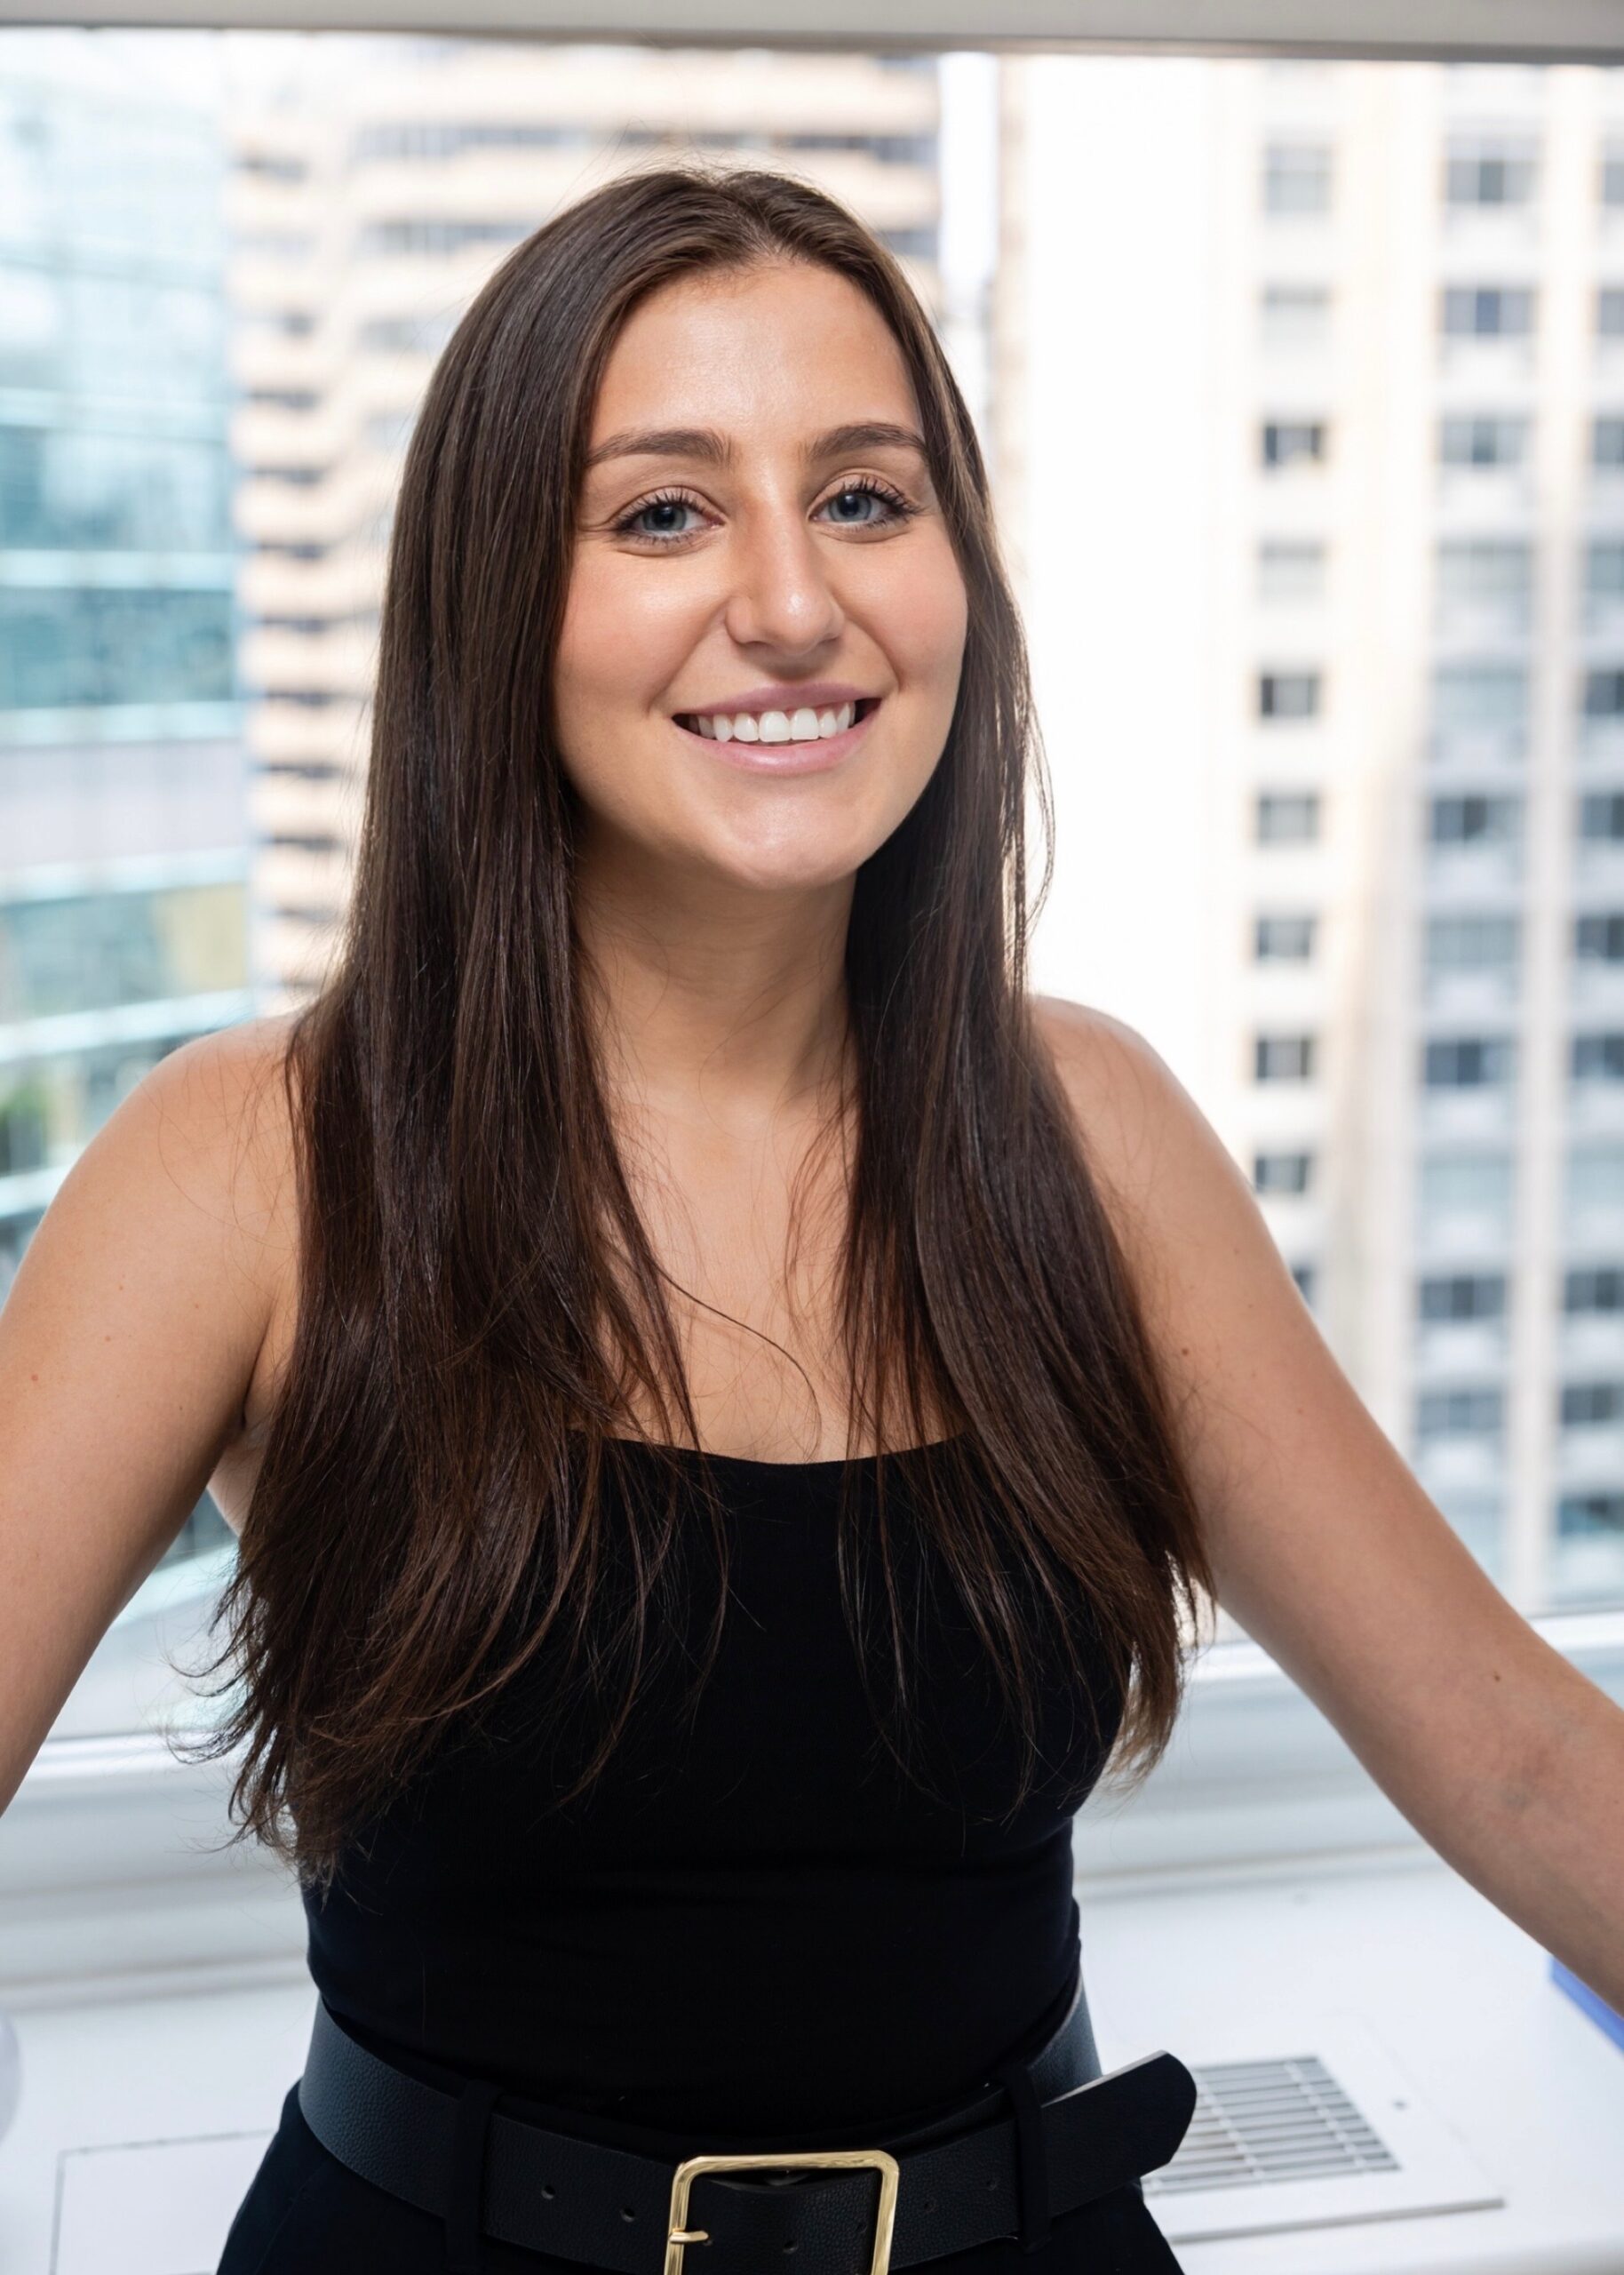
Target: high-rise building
<point>1344,452</point>
<point>368,205</point>
<point>123,855</point>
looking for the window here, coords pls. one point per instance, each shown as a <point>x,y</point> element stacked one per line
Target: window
<point>1487,573</point>
<point>1466,1195</point>
<point>1606,442</point>
<point>1473,942</point>
<point>1288,695</point>
<point>1283,1057</point>
<point>1291,569</point>
<point>1592,1406</point>
<point>1488,311</point>
<point>1477,1413</point>
<point>1485,171</point>
<point>1601,816</point>
<point>1598,1057</point>
<point>1292,441</point>
<point>1456,1296</point>
<point>1295,315</point>
<point>1297,177</point>
<point>1599,937</point>
<point>1466,1061</point>
<point>1276,1173</point>
<point>1472,820</point>
<point>1604,695</point>
<point>1284,939</point>
<point>140,708</point>
<point>1591,1290</point>
<point>1287,816</point>
<point>1478,696</point>
<point>1483,439</point>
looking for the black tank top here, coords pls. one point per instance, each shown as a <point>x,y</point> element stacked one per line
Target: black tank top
<point>754,1921</point>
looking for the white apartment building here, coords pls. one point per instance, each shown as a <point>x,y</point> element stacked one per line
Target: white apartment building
<point>368,205</point>
<point>1323,366</point>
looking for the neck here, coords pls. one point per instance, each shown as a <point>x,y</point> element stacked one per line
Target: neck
<point>707,991</point>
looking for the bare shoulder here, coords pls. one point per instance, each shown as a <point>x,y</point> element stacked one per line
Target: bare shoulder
<point>1145,1137</point>
<point>221,1104</point>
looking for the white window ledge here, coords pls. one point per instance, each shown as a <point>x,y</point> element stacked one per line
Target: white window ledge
<point>141,2121</point>
<point>107,1879</point>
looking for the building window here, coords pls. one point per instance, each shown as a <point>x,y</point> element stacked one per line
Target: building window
<point>1603,696</point>
<point>1281,1172</point>
<point>1288,695</point>
<point>1474,820</point>
<point>1596,1179</point>
<point>1610,312</point>
<point>1481,170</point>
<point>1605,569</point>
<point>1284,939</point>
<point>1451,1296</point>
<point>1466,1184</point>
<point>1466,1061</point>
<point>1287,816</point>
<point>1297,177</point>
<point>1607,443</point>
<point>1290,441</point>
<point>1470,697</point>
<point>1291,569</point>
<point>1488,311</point>
<point>1307,1277</point>
<point>1475,1412</point>
<point>1592,1406</point>
<point>1598,937</point>
<point>1601,816</point>
<point>1295,315</point>
<point>1497,570</point>
<point>1482,438</point>
<point>1597,1057</point>
<point>1283,1057</point>
<point>1473,942</point>
<point>1593,1288</point>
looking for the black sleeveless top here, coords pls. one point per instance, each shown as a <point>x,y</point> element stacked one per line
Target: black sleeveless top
<point>754,1921</point>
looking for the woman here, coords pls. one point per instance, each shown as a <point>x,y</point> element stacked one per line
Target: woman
<point>675,1136</point>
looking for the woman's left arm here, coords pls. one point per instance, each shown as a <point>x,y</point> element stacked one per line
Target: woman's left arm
<point>1324,1545</point>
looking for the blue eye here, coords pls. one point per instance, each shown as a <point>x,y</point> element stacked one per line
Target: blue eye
<point>897,509</point>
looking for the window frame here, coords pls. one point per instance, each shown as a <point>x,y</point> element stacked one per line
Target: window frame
<point>115,1867</point>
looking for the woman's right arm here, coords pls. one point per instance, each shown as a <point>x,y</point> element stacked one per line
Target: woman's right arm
<point>127,1345</point>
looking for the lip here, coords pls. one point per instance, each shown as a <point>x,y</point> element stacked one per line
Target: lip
<point>785,758</point>
<point>782,695</point>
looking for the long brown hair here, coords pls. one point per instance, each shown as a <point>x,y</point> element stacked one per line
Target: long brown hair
<point>465,1342</point>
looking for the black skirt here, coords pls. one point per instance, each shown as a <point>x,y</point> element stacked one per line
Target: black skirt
<point>308,2213</point>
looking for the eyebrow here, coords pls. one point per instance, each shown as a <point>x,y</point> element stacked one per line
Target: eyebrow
<point>706,443</point>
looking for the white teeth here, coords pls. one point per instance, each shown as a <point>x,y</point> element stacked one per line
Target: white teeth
<point>804,725</point>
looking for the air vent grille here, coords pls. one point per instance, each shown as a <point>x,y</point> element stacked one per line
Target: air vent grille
<point>1279,2120</point>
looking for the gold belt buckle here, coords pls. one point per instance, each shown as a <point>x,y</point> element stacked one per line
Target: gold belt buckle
<point>678,2233</point>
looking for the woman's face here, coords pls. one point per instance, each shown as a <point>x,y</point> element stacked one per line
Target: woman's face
<point>756,576</point>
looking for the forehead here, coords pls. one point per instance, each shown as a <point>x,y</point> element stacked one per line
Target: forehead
<point>778,353</point>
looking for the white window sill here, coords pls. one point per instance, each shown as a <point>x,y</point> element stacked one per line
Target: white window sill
<point>144,2119</point>
<point>107,1883</point>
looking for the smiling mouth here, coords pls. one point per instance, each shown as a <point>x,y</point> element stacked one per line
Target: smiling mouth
<point>688,720</point>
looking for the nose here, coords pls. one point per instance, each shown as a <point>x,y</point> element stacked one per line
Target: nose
<point>783,595</point>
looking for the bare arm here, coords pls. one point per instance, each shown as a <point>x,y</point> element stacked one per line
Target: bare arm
<point>1325,1548</point>
<point>127,1344</point>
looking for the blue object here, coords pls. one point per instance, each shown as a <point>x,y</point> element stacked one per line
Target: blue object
<point>1592,2003</point>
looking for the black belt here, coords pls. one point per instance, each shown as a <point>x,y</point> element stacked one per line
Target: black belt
<point>1049,2132</point>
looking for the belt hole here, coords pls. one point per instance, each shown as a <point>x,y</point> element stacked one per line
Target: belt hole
<point>930,2203</point>
<point>627,2213</point>
<point>791,2245</point>
<point>993,2184</point>
<point>547,2188</point>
